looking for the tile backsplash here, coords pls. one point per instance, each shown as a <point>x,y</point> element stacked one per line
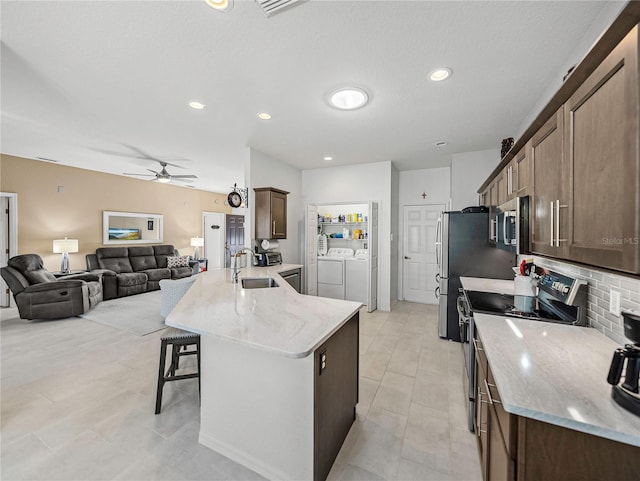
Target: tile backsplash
<point>600,285</point>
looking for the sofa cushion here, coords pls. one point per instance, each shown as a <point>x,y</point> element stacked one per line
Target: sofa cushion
<point>142,258</point>
<point>157,274</point>
<point>162,252</point>
<point>177,261</point>
<point>32,268</point>
<point>180,272</point>
<point>130,283</point>
<point>115,259</point>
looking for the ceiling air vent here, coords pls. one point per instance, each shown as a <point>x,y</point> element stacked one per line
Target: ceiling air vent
<point>271,7</point>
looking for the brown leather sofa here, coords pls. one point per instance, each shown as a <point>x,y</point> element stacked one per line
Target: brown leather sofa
<point>126,271</point>
<point>39,295</point>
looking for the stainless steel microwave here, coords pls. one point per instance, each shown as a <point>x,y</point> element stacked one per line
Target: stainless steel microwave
<point>510,226</point>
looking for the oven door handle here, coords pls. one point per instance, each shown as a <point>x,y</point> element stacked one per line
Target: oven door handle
<point>463,315</point>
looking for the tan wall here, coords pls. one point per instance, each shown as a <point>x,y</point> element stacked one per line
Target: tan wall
<point>45,214</point>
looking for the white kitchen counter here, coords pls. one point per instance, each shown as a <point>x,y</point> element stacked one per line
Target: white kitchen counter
<point>556,374</point>
<point>276,319</point>
<point>263,402</point>
<point>500,286</point>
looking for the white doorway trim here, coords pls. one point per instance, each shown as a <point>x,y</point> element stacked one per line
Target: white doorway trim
<point>12,239</point>
<point>401,246</point>
<point>220,255</point>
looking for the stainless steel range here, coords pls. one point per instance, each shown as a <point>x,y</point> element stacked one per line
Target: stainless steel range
<point>561,299</point>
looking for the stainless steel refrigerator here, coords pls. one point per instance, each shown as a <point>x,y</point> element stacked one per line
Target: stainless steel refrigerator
<point>463,250</point>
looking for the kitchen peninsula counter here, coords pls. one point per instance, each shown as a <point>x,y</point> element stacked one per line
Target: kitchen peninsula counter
<point>276,319</point>
<point>279,371</point>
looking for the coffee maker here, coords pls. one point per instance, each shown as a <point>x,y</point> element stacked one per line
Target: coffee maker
<point>626,394</point>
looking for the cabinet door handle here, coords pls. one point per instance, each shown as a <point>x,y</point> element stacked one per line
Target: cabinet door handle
<point>552,242</point>
<point>558,206</point>
<point>273,229</point>
<point>480,393</point>
<point>492,400</point>
<point>476,345</point>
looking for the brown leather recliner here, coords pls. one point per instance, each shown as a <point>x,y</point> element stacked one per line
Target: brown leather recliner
<point>39,295</point>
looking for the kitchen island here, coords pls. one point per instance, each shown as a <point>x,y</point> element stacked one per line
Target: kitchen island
<point>279,371</point>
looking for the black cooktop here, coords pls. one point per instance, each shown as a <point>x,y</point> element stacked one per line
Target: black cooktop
<point>505,304</point>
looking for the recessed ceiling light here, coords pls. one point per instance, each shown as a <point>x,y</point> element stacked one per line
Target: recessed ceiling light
<point>441,143</point>
<point>328,158</point>
<point>440,74</point>
<point>348,98</point>
<point>221,5</point>
<point>196,105</point>
<point>264,116</point>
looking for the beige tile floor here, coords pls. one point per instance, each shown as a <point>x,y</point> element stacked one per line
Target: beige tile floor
<point>78,402</point>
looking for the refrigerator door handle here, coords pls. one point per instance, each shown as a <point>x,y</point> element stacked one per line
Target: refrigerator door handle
<point>438,240</point>
<point>437,292</point>
<point>438,277</point>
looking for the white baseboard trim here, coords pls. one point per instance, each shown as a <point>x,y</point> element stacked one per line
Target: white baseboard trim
<point>248,461</point>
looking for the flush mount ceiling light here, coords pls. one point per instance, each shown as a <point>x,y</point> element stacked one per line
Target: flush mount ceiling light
<point>440,74</point>
<point>264,116</point>
<point>348,98</point>
<point>328,159</point>
<point>220,5</point>
<point>196,105</point>
<point>441,143</point>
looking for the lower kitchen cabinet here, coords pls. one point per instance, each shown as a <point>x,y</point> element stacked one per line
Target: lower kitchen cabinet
<point>517,448</point>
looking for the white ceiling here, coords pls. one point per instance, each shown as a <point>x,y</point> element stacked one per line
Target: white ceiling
<point>88,83</point>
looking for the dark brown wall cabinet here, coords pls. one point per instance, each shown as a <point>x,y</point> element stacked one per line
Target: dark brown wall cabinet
<point>271,213</point>
<point>582,166</point>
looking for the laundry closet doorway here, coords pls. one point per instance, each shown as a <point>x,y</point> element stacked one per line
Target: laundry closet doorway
<point>341,251</point>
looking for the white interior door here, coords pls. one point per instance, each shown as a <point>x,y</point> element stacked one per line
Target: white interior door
<point>214,235</point>
<point>419,263</point>
<point>372,297</point>
<point>311,251</point>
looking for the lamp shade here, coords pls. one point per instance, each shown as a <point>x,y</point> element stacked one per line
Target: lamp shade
<point>61,246</point>
<point>197,241</point>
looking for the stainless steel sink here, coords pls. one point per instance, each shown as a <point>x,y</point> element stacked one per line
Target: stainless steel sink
<point>258,282</point>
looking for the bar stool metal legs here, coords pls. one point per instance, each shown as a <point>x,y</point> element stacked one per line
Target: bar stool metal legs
<point>178,340</point>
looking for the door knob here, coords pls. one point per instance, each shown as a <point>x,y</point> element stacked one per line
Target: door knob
<point>407,257</point>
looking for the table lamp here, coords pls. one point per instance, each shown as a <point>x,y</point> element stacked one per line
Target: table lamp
<point>197,242</point>
<point>64,247</point>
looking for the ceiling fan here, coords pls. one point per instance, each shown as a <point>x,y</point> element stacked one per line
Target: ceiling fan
<point>163,176</point>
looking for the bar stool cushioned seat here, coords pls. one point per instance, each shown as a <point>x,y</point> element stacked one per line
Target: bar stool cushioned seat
<point>177,339</point>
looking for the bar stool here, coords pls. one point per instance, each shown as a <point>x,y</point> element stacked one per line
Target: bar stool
<point>178,340</point>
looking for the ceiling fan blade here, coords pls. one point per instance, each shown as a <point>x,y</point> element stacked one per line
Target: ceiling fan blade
<point>173,179</point>
<point>156,173</point>
<point>144,175</point>
<point>190,176</point>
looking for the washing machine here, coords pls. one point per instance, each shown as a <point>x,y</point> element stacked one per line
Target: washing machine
<point>356,268</point>
<point>331,272</point>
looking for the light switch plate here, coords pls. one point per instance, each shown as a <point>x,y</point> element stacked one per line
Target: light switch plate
<point>614,302</point>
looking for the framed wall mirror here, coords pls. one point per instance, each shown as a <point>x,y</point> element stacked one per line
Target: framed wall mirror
<point>131,228</point>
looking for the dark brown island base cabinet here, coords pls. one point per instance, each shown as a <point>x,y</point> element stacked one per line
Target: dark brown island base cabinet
<point>271,213</point>
<point>517,448</point>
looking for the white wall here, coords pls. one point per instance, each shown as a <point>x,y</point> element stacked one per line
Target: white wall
<point>436,184</point>
<point>353,184</point>
<point>608,14</point>
<point>469,170</point>
<point>395,226</point>
<point>265,171</point>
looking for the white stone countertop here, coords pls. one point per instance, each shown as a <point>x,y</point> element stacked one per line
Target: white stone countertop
<point>275,319</point>
<point>556,374</point>
<point>500,286</point>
